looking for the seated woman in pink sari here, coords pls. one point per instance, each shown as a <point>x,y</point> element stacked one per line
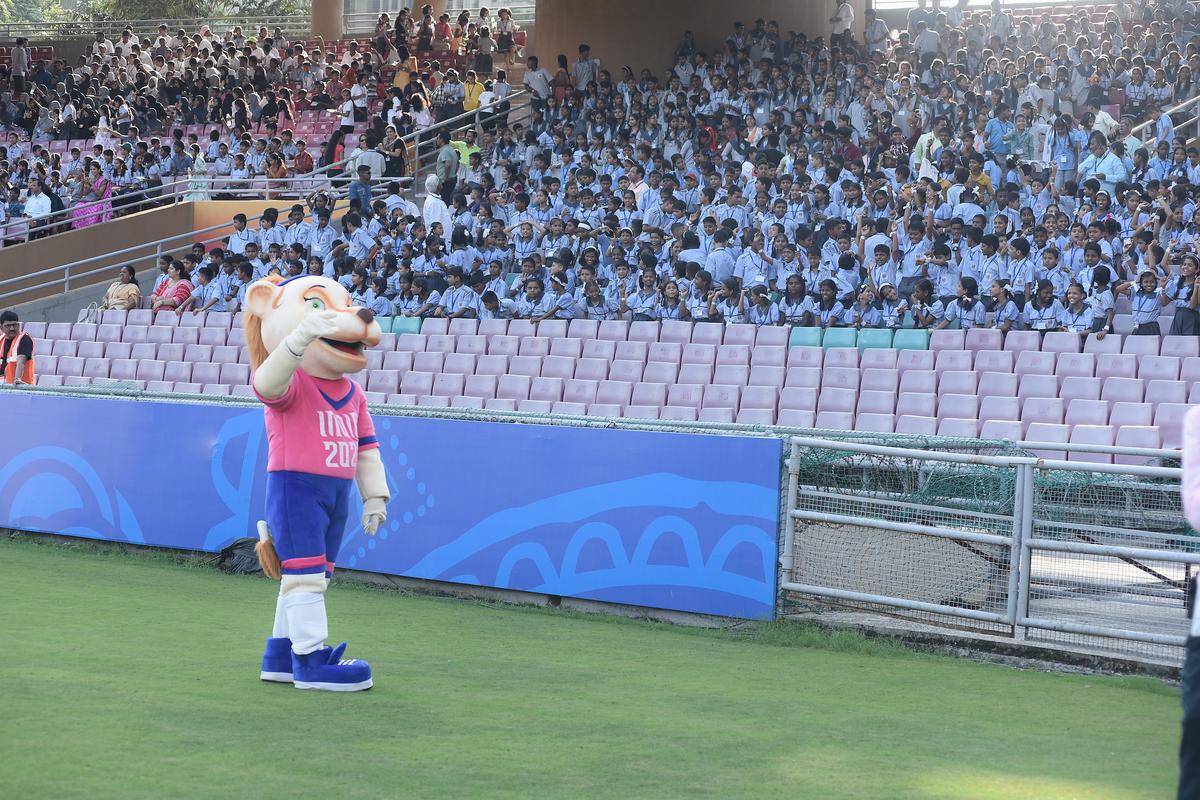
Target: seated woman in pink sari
<point>95,204</point>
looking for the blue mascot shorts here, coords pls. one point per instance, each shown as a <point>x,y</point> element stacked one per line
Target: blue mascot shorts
<point>307,516</point>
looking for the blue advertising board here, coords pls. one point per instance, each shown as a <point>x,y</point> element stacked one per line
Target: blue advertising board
<point>666,520</point>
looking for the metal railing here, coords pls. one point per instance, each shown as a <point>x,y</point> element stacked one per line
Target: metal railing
<point>1150,142</point>
<point>292,25</point>
<point>1073,555</point>
<point>363,22</point>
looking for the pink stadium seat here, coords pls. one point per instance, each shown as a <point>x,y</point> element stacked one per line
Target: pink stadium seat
<point>731,375</point>
<point>993,360</point>
<point>643,331</point>
<point>716,396</point>
<point>599,348</point>
<point>803,376</point>
<point>529,366</point>
<point>632,351</point>
<point>218,319</point>
<point>583,328</point>
<point>87,350</point>
<point>1136,436</point>
<point>676,331</point>
<point>552,329</point>
<point>439,342</point>
<point>482,386</point>
<point>955,382</point>
<point>448,385</point>
<point>417,383</point>
<point>614,392</point>
<point>139,316</point>
<point>798,399</point>
<point>956,360</point>
<point>613,330</point>
<point>1180,346</point>
<point>1086,412</point>
<point>755,416</point>
<point>566,347</point>
<point>1017,341</point>
<point>177,372</point>
<point>397,361</point>
<point>1033,362</point>
<point>1006,408</point>
<point>435,326</point>
<point>1000,430</point>
<point>550,389</point>
<point>1157,368</point>
<point>740,334</point>
<point>1166,391</point>
<point>167,319</point>
<point>958,427</point>
<point>796,418</point>
<point>387,342</point>
<point>522,328</point>
<point>649,394</point>
<point>472,344</point>
<point>1141,345</point>
<point>1117,365</point>
<point>679,413</point>
<point>718,414</point>
<point>767,376</point>
<point>875,423</point>
<point>812,357</point>
<point>733,354</point>
<point>374,357</point>
<point>772,336</point>
<point>1123,390</point>
<point>1109,344</point>
<point>1041,386</point>
<point>167,352</point>
<point>880,380</point>
<point>641,412</point>
<point>1079,389</point>
<point>962,406</point>
<point>503,345</point>
<point>660,372</point>
<point>984,339</point>
<point>916,425</point>
<point>461,363</point>
<point>467,327</point>
<point>103,333</point>
<point>155,371</point>
<point>1091,434</point>
<point>875,402</point>
<point>768,356</point>
<point>214,336</point>
<point>59,330</point>
<point>579,390</point>
<point>610,410</point>
<point>1061,342</point>
<point>374,398</point>
<point>1050,433</point>
<point>96,367</point>
<point>1075,365</point>
<point>64,347</point>
<point>760,397</point>
<point>685,395</point>
<point>35,329</point>
<point>204,373</point>
<point>1123,414</point>
<point>558,367</point>
<point>231,374</point>
<point>571,409</point>
<point>218,389</point>
<point>629,371</point>
<point>1168,417</point>
<point>914,360</point>
<point>535,406</point>
<point>385,381</point>
<point>840,377</point>
<point>191,319</point>
<point>844,357</point>
<point>998,384</point>
<point>428,362</point>
<point>463,401</point>
<point>665,352</point>
<point>127,350</point>
<point>700,354</point>
<point>534,346</point>
<point>947,340</point>
<point>835,420</point>
<point>708,333</point>
<point>163,386</point>
<point>914,380</point>
<point>229,355</point>
<point>411,342</point>
<point>591,368</point>
<point>86,332</point>
<point>835,399</point>
<point>433,401</point>
<point>878,358</point>
<point>513,387</point>
<point>496,327</point>
<point>1042,409</point>
<point>188,388</point>
<point>922,404</point>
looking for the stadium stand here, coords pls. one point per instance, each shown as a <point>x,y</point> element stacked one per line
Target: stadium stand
<point>785,233</point>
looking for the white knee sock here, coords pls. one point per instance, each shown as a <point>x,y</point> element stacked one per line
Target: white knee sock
<point>280,629</point>
<point>306,621</point>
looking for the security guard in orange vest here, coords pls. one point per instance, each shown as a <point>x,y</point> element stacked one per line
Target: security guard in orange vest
<point>16,351</point>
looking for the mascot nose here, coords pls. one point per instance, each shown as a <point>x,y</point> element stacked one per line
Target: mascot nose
<point>366,315</point>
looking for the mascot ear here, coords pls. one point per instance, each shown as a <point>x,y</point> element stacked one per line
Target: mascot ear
<point>260,297</point>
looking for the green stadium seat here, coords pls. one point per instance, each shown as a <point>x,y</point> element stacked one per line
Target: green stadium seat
<point>406,325</point>
<point>911,339</point>
<point>805,337</point>
<point>874,337</point>
<point>840,337</point>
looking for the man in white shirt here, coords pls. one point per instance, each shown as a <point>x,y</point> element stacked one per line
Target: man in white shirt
<point>842,22</point>
<point>37,205</point>
<point>537,80</point>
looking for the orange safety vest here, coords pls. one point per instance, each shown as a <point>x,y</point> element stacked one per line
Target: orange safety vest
<point>10,365</point>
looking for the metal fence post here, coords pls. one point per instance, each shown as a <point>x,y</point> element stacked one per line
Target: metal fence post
<point>1021,553</point>
<point>791,474</point>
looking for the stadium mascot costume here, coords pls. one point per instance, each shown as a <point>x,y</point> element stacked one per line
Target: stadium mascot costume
<point>304,337</point>
<point>1189,748</point>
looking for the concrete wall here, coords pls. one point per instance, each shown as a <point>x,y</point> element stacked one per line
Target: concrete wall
<point>645,34</point>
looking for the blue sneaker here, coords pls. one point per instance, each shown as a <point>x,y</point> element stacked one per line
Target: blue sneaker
<point>326,669</point>
<point>277,661</point>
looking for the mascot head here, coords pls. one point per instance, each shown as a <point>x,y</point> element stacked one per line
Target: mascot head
<point>275,306</point>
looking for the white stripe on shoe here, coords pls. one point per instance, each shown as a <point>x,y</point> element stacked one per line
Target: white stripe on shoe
<point>335,687</point>
<point>276,677</point>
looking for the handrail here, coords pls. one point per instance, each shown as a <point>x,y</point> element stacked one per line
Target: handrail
<point>1174,110</point>
<point>67,28</point>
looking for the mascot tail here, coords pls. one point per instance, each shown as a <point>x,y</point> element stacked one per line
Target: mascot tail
<point>268,559</point>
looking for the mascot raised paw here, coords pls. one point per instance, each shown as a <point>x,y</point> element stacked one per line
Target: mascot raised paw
<point>304,338</point>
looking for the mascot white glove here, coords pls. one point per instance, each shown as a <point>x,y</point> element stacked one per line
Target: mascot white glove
<point>312,327</point>
<point>372,487</point>
<point>374,514</point>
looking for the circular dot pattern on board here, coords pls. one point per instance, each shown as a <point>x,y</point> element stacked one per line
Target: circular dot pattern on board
<point>422,499</point>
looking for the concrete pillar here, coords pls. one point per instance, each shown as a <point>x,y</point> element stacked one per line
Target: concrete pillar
<point>327,21</point>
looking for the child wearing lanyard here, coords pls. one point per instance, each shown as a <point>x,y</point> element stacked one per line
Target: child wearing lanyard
<point>1043,311</point>
<point>795,305</point>
<point>1020,270</point>
<point>891,308</point>
<point>728,303</point>
<point>1101,301</point>
<point>863,314</point>
<point>1007,315</point>
<point>967,311</point>
<point>1077,316</point>
<point>1055,272</point>
<point>1183,292</point>
<point>926,309</point>
<point>1147,302</point>
<point>669,305</point>
<point>828,312</point>
<point>762,310</point>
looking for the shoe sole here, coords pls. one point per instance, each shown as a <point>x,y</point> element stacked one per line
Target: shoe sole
<point>276,677</point>
<point>335,687</point>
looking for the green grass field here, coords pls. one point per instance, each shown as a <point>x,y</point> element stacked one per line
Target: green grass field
<point>131,676</point>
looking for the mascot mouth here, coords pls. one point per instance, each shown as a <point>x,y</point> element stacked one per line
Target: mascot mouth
<point>349,348</point>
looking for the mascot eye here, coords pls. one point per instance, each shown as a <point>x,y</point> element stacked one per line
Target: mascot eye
<point>315,303</point>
